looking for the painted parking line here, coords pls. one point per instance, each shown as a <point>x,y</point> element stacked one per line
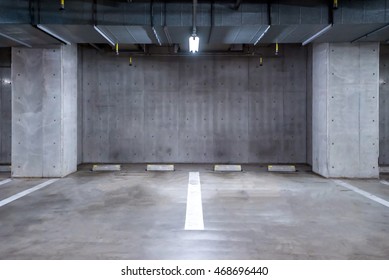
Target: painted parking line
<point>384,182</point>
<point>194,206</point>
<point>26,192</point>
<point>5,181</point>
<point>362,192</point>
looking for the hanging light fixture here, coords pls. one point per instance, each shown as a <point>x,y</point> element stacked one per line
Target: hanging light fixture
<point>194,40</point>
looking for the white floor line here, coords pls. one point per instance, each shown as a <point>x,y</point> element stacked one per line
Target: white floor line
<point>194,207</point>
<point>5,181</point>
<point>26,192</point>
<point>384,182</point>
<point>362,192</point>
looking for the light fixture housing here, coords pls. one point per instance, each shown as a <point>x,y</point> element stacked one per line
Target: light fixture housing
<point>194,42</point>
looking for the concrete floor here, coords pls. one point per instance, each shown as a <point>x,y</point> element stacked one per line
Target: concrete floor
<point>134,214</point>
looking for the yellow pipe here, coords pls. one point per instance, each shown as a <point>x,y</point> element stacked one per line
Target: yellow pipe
<point>277,48</point>
<point>117,48</point>
<point>62,5</point>
<point>130,61</point>
<point>261,61</point>
<point>335,4</point>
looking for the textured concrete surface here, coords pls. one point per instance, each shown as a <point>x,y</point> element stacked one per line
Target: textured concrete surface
<point>345,110</point>
<point>5,115</point>
<point>195,109</point>
<point>79,107</point>
<point>69,125</point>
<point>384,105</point>
<point>134,214</point>
<point>44,119</point>
<point>309,104</point>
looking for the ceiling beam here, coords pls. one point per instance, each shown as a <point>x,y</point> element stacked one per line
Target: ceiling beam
<point>53,34</point>
<point>370,33</point>
<point>15,40</point>
<point>317,35</point>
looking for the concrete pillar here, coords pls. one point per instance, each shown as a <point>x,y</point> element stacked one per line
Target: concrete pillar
<point>5,115</point>
<point>345,109</point>
<point>44,111</point>
<point>5,106</point>
<point>384,105</point>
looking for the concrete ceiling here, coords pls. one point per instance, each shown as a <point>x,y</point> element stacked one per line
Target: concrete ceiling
<point>220,24</point>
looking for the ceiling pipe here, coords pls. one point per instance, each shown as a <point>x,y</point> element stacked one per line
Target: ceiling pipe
<point>268,12</point>
<point>15,40</point>
<point>194,10</point>
<point>125,53</point>
<point>370,33</point>
<point>212,23</point>
<point>237,4</point>
<point>165,28</point>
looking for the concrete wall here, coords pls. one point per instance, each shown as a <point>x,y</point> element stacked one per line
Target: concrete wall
<point>194,109</point>
<point>384,105</point>
<point>345,109</point>
<point>44,104</point>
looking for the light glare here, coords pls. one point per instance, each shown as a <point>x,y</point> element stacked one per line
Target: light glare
<point>194,42</point>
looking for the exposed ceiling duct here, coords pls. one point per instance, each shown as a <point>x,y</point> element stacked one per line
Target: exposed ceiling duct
<point>167,23</point>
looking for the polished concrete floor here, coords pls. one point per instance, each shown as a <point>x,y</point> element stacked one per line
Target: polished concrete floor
<point>134,214</point>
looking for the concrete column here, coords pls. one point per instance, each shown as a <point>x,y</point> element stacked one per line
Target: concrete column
<point>5,106</point>
<point>44,111</point>
<point>384,105</point>
<point>345,110</point>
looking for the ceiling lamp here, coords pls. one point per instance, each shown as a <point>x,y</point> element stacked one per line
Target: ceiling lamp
<point>194,40</point>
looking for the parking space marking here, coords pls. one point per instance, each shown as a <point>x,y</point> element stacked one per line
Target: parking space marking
<point>5,181</point>
<point>26,192</point>
<point>194,206</point>
<point>362,192</point>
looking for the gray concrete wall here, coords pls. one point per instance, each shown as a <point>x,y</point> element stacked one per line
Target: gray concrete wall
<point>345,109</point>
<point>44,117</point>
<point>194,109</point>
<point>384,105</point>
